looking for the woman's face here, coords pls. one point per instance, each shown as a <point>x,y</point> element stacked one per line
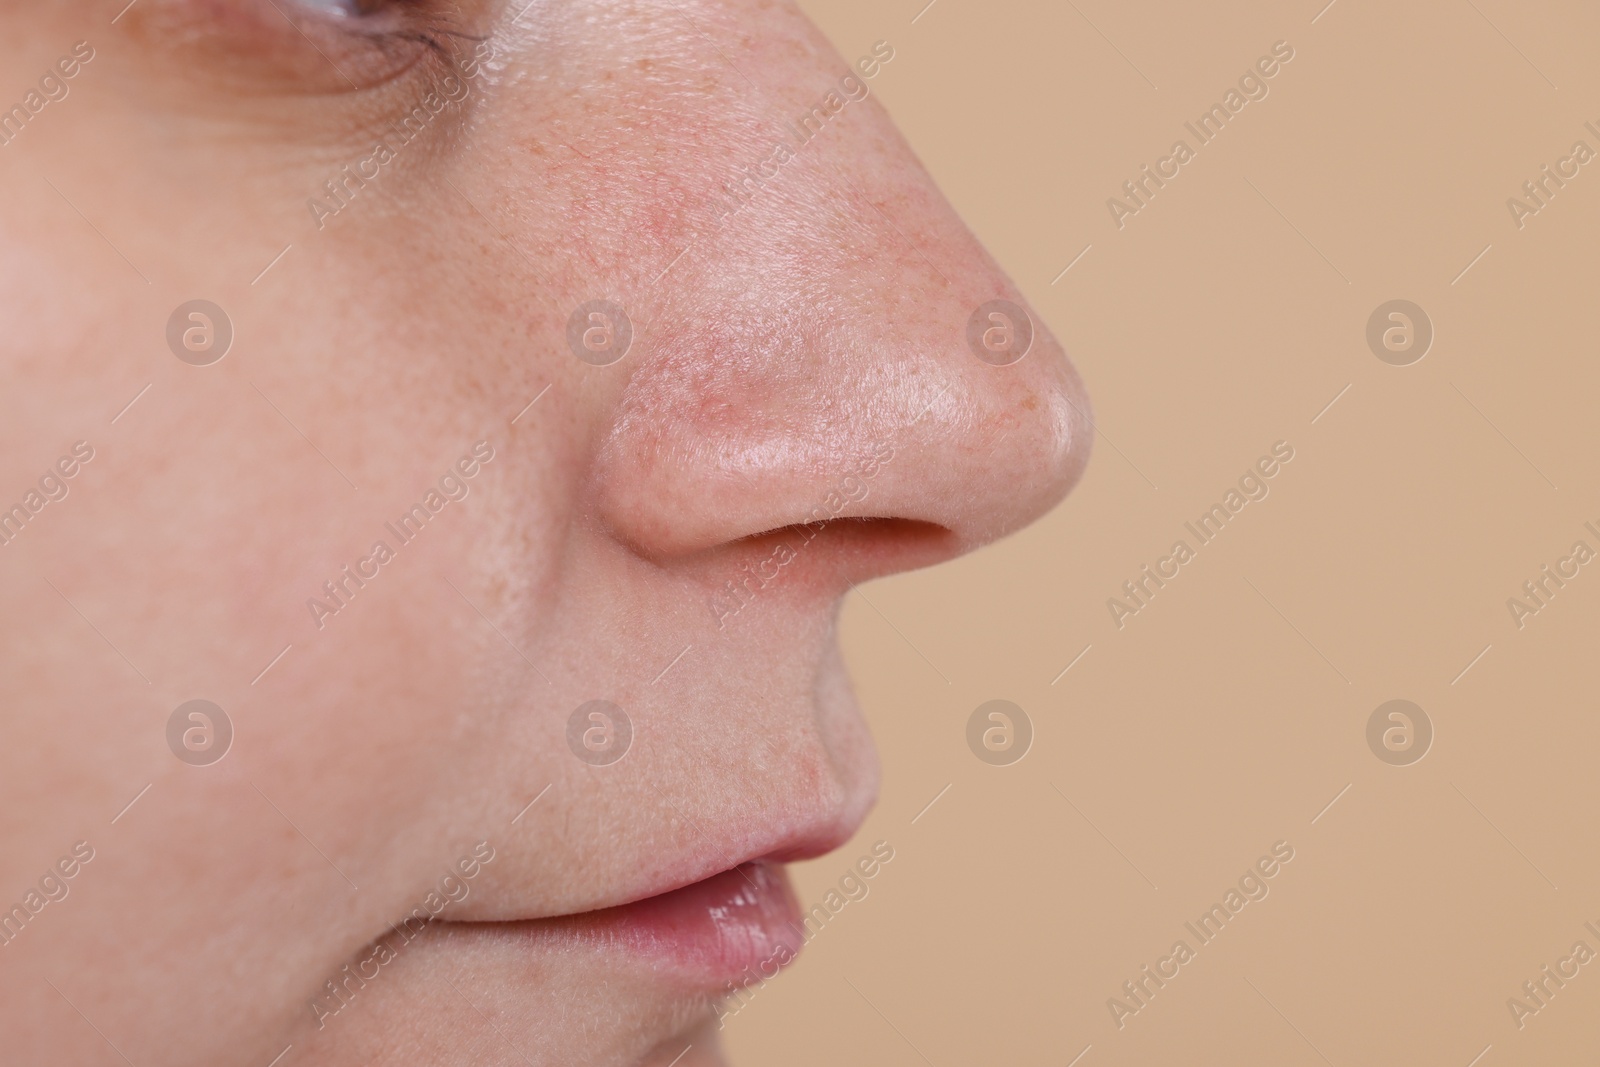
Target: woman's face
<point>433,500</point>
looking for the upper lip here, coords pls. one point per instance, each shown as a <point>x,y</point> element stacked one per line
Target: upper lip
<point>699,868</point>
<point>771,841</point>
<point>730,772</point>
<point>815,809</point>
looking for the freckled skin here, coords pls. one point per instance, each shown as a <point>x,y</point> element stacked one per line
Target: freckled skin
<point>776,347</point>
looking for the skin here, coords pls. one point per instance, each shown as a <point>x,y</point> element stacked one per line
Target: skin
<point>777,347</point>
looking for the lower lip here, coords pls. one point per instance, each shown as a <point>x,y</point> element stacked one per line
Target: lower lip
<point>727,930</point>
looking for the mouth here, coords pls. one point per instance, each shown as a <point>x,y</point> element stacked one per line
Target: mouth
<point>717,934</point>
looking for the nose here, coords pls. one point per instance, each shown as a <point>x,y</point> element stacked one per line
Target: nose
<point>833,344</point>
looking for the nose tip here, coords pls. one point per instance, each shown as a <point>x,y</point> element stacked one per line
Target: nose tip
<point>1007,437</point>
<point>911,427</point>
<point>734,430</point>
<point>841,346</point>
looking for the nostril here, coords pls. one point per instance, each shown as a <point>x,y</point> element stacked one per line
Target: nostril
<point>862,537</point>
<point>815,560</point>
<point>860,527</point>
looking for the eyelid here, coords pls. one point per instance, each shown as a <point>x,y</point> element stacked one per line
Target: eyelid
<point>308,47</point>
<point>342,8</point>
<point>263,50</point>
<point>420,26</point>
<point>347,9</point>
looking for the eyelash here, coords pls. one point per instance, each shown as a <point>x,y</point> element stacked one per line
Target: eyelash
<point>434,36</point>
<point>351,21</point>
<point>422,23</point>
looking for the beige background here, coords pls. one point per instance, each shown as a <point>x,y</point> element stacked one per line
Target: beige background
<point>1228,714</point>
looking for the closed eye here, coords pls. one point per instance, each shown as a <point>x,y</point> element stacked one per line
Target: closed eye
<point>310,47</point>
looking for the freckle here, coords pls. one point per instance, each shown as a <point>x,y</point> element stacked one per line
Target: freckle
<point>1030,402</point>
